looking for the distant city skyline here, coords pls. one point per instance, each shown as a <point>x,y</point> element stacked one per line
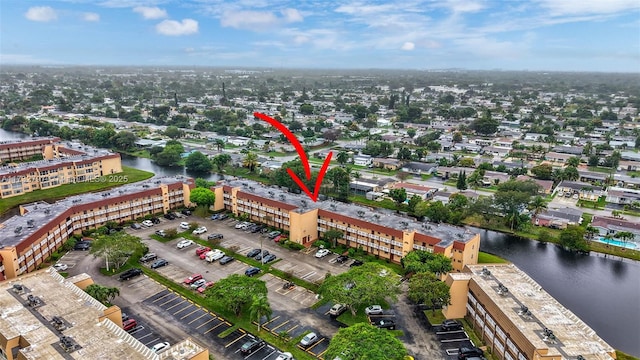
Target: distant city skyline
<point>537,35</point>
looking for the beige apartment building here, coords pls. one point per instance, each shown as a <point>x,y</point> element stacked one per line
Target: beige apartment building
<point>21,150</point>
<point>28,239</point>
<point>63,163</point>
<point>517,319</point>
<point>377,231</point>
<point>45,316</point>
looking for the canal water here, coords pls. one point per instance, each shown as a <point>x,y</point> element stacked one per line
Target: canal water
<point>603,291</point>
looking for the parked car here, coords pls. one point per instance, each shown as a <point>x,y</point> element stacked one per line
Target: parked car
<point>215,216</point>
<point>257,228</point>
<point>160,347</point>
<point>130,274</point>
<point>309,339</point>
<point>129,324</point>
<point>337,309</point>
<point>356,263</point>
<point>193,278</point>
<point>223,216</point>
<point>374,310</point>
<point>125,317</point>
<point>450,325</point>
<point>159,263</point>
<point>82,245</point>
<point>322,253</point>
<point>148,257</point>
<point>161,233</point>
<point>273,234</point>
<point>186,212</point>
<point>214,255</point>
<point>155,220</point>
<point>184,225</point>
<point>277,238</point>
<point>385,324</point>
<point>250,228</point>
<point>204,287</point>
<point>60,267</point>
<point>253,253</point>
<point>215,236</point>
<point>242,225</point>
<point>147,223</point>
<point>260,256</point>
<point>202,249</point>
<point>269,258</point>
<point>184,243</point>
<point>252,345</point>
<point>225,260</point>
<point>200,230</point>
<point>169,216</point>
<point>342,259</point>
<point>136,226</point>
<point>285,356</point>
<point>252,271</point>
<point>196,284</point>
<point>465,353</point>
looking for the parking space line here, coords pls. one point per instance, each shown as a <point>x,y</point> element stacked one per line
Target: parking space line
<point>206,332</point>
<point>279,325</point>
<point>172,306</point>
<point>234,341</point>
<point>189,314</point>
<point>269,354</point>
<point>168,301</point>
<point>198,318</point>
<point>277,317</point>
<point>322,353</point>
<point>144,336</point>
<point>210,320</point>
<point>289,330</point>
<point>162,297</point>
<point>184,308</point>
<point>312,346</point>
<point>150,342</point>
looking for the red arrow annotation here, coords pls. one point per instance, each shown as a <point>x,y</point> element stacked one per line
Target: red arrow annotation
<point>303,157</point>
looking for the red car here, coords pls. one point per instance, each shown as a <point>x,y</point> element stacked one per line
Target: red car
<point>129,324</point>
<point>202,250</point>
<point>204,287</point>
<point>193,278</point>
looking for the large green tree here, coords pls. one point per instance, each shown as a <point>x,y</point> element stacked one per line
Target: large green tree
<point>250,161</point>
<point>398,195</point>
<point>203,197</point>
<point>198,162</point>
<point>236,292</point>
<point>370,282</point>
<point>220,161</point>
<point>365,341</point>
<point>419,261</point>
<point>573,238</point>
<point>114,248</point>
<point>512,197</point>
<point>104,294</point>
<point>260,307</point>
<point>426,288</point>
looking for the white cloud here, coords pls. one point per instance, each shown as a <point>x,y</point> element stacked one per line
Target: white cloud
<point>91,17</point>
<point>250,20</point>
<point>576,7</point>
<point>408,46</point>
<point>458,6</point>
<point>150,12</point>
<point>292,15</point>
<point>22,59</point>
<point>128,3</point>
<point>177,28</point>
<point>41,13</point>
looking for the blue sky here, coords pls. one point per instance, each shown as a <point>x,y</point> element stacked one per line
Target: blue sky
<point>574,35</point>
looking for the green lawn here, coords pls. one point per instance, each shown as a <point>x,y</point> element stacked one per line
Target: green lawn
<point>486,258</point>
<point>622,356</point>
<point>435,317</point>
<point>128,175</point>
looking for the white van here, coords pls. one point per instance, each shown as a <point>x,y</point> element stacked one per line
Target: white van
<point>214,255</point>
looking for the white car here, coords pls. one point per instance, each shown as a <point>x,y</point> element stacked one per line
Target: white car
<point>147,223</point>
<point>184,225</point>
<point>374,310</point>
<point>242,225</point>
<point>60,267</point>
<point>285,356</point>
<point>309,339</point>
<point>159,347</point>
<point>200,230</point>
<point>322,253</point>
<point>184,243</point>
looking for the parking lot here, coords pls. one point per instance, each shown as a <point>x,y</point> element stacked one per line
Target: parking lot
<point>451,341</point>
<point>143,332</point>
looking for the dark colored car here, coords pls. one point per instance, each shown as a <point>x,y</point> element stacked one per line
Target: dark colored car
<point>342,259</point>
<point>159,263</point>
<point>129,324</point>
<point>252,271</point>
<point>450,325</point>
<point>155,220</point>
<point>148,257</point>
<point>356,263</point>
<point>82,245</point>
<point>385,324</point>
<point>251,228</point>
<point>130,274</point>
<point>223,216</point>
<point>251,346</point>
<point>215,236</point>
<point>186,212</point>
<point>136,226</point>
<point>253,253</point>
<point>469,352</point>
<point>257,229</point>
<point>268,258</point>
<point>226,260</point>
<point>169,216</point>
<point>215,216</point>
<point>260,256</point>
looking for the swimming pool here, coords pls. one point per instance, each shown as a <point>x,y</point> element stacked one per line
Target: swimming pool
<point>614,242</point>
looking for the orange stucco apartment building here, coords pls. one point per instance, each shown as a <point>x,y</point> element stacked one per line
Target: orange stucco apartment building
<point>377,231</point>
<point>28,239</point>
<point>63,163</point>
<point>517,319</point>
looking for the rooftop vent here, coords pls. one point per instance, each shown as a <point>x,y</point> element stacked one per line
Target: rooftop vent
<point>58,323</point>
<point>158,182</point>
<point>18,288</point>
<point>252,188</point>
<point>580,357</point>
<point>404,224</point>
<point>282,197</point>
<point>549,337</point>
<point>485,271</point>
<point>18,230</point>
<point>460,235</point>
<point>360,213</point>
<point>30,224</point>
<point>333,207</point>
<point>33,300</point>
<point>47,211</point>
<point>376,216</point>
<point>502,290</point>
<point>304,203</point>
<point>68,344</point>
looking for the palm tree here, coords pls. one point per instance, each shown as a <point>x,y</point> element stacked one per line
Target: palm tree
<point>219,144</point>
<point>537,205</point>
<point>260,307</point>
<point>101,293</point>
<point>624,236</point>
<point>250,161</point>
<point>591,232</point>
<point>342,157</point>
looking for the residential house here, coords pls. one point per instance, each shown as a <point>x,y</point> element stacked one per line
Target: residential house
<point>496,151</point>
<point>626,181</point>
<point>566,149</point>
<point>238,140</point>
<point>534,136</point>
<point>609,226</point>
<point>494,178</point>
<point>362,160</point>
<point>386,163</point>
<point>558,157</point>
<point>558,218</point>
<point>585,191</point>
<point>446,172</point>
<point>593,177</point>
<point>546,186</point>
<point>622,196</point>
<point>629,165</point>
<point>418,168</point>
<point>423,192</point>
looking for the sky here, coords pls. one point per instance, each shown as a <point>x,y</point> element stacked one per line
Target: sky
<point>549,35</point>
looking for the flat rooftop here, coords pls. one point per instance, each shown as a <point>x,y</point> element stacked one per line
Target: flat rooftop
<point>41,213</point>
<point>574,337</point>
<point>384,217</point>
<point>77,310</point>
